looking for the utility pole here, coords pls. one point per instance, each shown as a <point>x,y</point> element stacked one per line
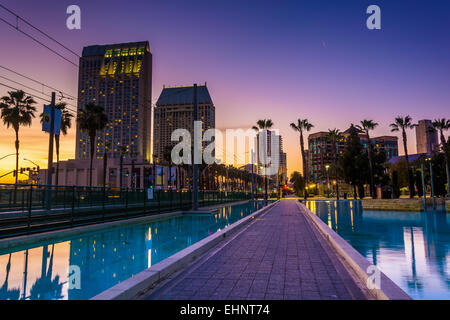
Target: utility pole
<point>48,194</point>
<point>195,165</point>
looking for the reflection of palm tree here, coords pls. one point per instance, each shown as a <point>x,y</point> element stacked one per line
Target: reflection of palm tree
<point>414,281</point>
<point>45,288</point>
<point>5,294</point>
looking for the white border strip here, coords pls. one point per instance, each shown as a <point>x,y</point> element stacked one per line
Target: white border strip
<point>388,289</point>
<point>134,286</point>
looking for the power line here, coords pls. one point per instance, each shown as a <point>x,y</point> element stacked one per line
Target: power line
<point>23,85</point>
<point>36,40</point>
<point>39,30</point>
<point>38,82</point>
<point>34,95</point>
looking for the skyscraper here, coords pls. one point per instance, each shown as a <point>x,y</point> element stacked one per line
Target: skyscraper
<point>426,137</point>
<point>175,110</point>
<point>119,78</point>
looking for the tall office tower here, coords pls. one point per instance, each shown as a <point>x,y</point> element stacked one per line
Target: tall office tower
<point>426,137</point>
<point>117,77</point>
<point>175,110</point>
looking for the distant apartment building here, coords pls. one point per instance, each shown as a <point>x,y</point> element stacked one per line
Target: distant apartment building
<point>426,137</point>
<point>175,110</point>
<point>320,151</point>
<point>117,77</point>
<point>271,136</point>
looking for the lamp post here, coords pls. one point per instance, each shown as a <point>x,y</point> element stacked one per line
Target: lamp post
<point>424,187</point>
<point>25,159</point>
<point>328,180</point>
<point>432,184</point>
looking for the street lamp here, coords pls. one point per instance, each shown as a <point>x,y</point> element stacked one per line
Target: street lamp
<point>328,178</point>
<point>31,162</point>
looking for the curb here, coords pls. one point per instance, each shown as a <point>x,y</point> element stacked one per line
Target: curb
<point>389,291</point>
<point>134,286</point>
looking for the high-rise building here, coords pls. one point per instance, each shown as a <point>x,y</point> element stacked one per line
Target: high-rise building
<point>426,137</point>
<point>320,151</point>
<point>282,164</point>
<point>175,110</point>
<point>117,77</point>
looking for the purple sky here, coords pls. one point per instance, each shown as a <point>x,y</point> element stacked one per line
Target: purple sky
<point>281,59</point>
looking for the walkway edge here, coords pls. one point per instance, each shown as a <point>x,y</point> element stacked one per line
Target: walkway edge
<point>134,286</point>
<point>388,289</point>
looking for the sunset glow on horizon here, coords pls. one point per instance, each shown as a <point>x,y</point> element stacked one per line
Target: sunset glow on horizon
<point>279,60</point>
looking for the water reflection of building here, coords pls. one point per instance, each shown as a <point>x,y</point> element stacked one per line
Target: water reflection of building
<point>107,258</point>
<point>412,247</point>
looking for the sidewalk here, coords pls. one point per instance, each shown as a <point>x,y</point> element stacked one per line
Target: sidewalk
<point>279,256</point>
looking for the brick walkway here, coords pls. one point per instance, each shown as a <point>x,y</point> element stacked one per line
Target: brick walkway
<point>279,256</point>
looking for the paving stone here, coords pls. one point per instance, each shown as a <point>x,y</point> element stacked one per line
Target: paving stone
<point>278,257</point>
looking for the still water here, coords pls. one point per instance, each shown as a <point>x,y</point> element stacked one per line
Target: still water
<point>104,258</point>
<point>411,248</point>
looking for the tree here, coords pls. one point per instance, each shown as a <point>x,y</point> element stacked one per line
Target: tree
<point>66,123</point>
<point>105,161</point>
<point>353,163</point>
<point>419,185</point>
<point>17,110</point>
<point>366,126</point>
<point>264,125</point>
<point>334,137</point>
<point>442,125</point>
<point>395,185</point>
<point>401,124</point>
<point>298,182</point>
<point>90,120</point>
<point>300,126</point>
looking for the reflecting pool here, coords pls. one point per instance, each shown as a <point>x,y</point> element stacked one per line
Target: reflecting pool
<point>80,267</point>
<point>411,248</point>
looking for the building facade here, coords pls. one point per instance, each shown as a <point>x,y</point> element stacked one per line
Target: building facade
<point>426,137</point>
<point>117,77</point>
<point>175,110</point>
<point>320,151</point>
<point>282,160</point>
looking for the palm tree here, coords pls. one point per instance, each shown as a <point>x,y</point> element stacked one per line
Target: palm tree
<point>442,125</point>
<point>105,161</point>
<point>303,125</point>
<point>90,120</point>
<point>366,126</point>
<point>335,136</point>
<point>263,125</point>
<point>123,150</point>
<point>17,110</point>
<point>66,123</point>
<point>401,124</point>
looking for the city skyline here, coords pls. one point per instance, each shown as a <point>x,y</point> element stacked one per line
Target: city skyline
<point>321,63</point>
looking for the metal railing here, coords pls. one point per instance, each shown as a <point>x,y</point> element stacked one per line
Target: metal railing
<point>23,208</point>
